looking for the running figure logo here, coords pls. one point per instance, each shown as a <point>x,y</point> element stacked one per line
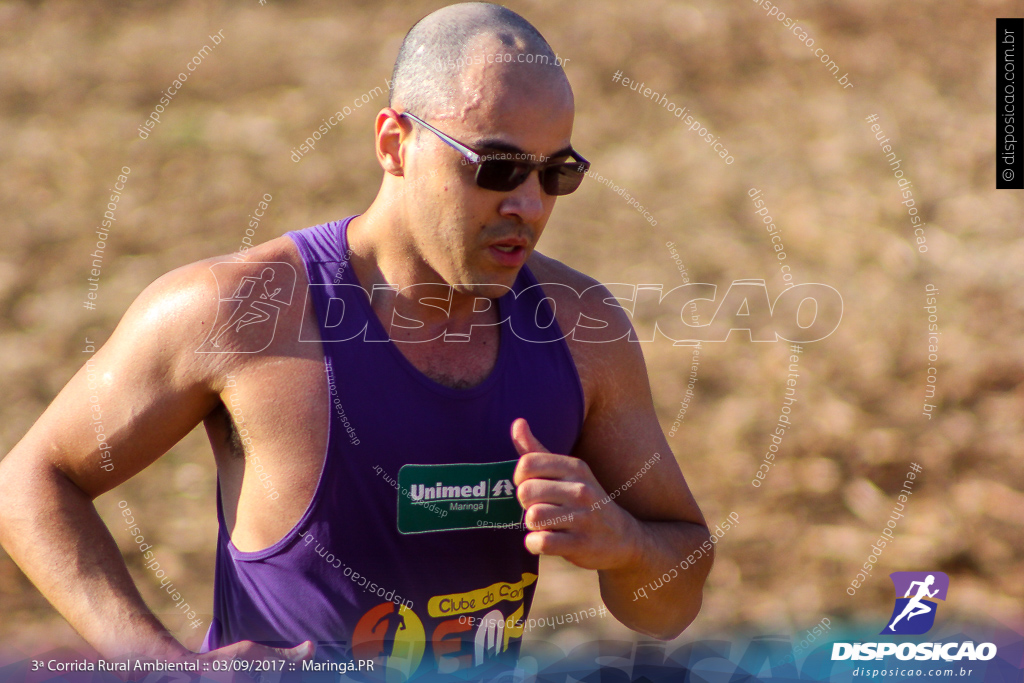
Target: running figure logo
<point>393,637</point>
<point>914,613</point>
<point>395,622</point>
<point>251,296</point>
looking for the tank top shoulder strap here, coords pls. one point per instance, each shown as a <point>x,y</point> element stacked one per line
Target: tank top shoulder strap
<point>322,243</point>
<point>530,308</point>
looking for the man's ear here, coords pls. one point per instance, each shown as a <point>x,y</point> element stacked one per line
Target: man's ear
<point>391,132</point>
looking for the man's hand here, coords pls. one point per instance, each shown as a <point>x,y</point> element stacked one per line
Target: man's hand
<point>553,487</point>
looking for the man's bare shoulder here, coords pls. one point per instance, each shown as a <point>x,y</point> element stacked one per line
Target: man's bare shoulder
<point>207,316</point>
<point>547,269</point>
<point>594,300</point>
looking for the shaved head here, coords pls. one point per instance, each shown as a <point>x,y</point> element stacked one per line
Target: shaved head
<point>430,73</point>
<point>484,77</point>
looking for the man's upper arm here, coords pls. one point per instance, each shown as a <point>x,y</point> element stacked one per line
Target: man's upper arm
<point>621,435</point>
<point>136,396</point>
<point>621,432</point>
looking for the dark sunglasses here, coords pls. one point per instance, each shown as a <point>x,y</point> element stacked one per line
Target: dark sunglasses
<point>504,175</point>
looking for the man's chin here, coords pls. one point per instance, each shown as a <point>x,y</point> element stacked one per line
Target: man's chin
<point>489,288</point>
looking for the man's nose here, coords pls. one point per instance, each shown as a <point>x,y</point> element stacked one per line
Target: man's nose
<point>525,201</point>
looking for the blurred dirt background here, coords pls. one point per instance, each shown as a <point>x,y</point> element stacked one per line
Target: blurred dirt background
<point>76,80</point>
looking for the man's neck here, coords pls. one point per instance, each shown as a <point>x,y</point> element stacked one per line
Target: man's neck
<point>388,265</point>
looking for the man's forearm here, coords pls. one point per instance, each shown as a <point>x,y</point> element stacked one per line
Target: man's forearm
<point>663,548</point>
<point>52,531</point>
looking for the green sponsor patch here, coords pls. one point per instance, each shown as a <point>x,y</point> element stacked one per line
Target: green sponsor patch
<point>470,496</point>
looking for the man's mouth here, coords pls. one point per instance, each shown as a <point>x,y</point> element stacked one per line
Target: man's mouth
<point>510,253</point>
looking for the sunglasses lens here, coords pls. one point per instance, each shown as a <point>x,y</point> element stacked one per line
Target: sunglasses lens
<point>562,179</point>
<point>505,176</point>
<point>501,176</point>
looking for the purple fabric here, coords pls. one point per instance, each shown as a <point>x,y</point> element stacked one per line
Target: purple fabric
<point>291,592</point>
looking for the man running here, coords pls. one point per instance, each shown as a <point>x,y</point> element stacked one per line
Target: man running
<point>418,338</point>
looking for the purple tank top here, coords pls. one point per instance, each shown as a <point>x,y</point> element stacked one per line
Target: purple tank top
<point>411,551</point>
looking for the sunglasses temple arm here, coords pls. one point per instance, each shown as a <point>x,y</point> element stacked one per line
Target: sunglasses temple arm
<point>583,163</point>
<point>473,157</point>
<point>459,147</point>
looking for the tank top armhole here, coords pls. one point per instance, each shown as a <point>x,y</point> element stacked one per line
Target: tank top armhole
<point>310,261</point>
<point>292,534</point>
